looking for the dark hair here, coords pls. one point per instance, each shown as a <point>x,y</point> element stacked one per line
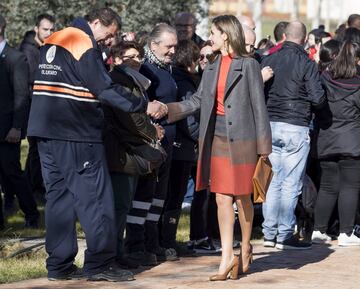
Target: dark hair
<point>339,32</point>
<point>106,16</point>
<point>328,52</point>
<point>352,34</point>
<point>187,53</point>
<point>265,44</point>
<point>205,43</point>
<point>354,21</point>
<point>2,25</point>
<point>43,16</point>
<point>319,34</point>
<point>279,30</point>
<point>119,49</point>
<point>231,26</point>
<point>344,65</point>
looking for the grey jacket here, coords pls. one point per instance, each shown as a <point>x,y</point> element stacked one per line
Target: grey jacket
<point>247,122</point>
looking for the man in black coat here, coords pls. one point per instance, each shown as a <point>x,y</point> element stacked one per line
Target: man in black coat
<point>185,24</point>
<point>14,95</point>
<point>30,46</point>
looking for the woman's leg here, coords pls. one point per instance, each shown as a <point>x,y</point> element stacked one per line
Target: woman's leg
<point>226,220</point>
<point>349,194</point>
<point>328,194</point>
<point>246,216</point>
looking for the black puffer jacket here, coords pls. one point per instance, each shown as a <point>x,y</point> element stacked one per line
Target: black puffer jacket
<point>338,126</point>
<point>295,87</point>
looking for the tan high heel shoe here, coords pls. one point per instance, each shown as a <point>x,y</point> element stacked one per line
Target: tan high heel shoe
<point>246,261</point>
<point>233,269</point>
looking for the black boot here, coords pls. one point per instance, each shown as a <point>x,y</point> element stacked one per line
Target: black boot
<point>168,233</point>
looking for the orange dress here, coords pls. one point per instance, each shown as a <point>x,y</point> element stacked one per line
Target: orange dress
<point>226,177</point>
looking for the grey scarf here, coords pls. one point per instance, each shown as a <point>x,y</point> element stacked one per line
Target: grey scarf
<point>151,58</point>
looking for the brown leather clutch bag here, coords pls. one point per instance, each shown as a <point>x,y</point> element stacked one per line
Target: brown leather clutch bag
<point>261,179</point>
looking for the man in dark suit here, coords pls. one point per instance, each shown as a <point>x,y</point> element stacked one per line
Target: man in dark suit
<point>14,98</point>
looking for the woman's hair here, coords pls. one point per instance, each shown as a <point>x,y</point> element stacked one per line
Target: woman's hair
<point>187,53</point>
<point>205,43</point>
<point>319,34</point>
<point>265,44</point>
<point>231,26</point>
<point>344,65</point>
<point>119,49</point>
<point>328,53</point>
<point>352,34</point>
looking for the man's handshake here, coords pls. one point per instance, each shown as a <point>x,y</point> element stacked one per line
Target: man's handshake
<point>157,109</point>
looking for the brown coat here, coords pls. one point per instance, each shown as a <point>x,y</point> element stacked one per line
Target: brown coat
<point>247,122</point>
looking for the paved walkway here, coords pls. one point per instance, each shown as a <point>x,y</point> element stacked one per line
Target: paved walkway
<point>328,267</point>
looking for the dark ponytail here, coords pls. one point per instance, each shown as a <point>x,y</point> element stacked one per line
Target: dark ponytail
<point>344,65</point>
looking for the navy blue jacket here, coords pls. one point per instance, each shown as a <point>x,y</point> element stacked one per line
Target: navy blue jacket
<point>295,87</point>
<point>163,88</point>
<point>71,83</point>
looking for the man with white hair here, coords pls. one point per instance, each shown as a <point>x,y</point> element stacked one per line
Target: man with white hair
<point>248,21</point>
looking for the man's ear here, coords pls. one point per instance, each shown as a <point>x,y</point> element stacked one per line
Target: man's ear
<point>152,44</point>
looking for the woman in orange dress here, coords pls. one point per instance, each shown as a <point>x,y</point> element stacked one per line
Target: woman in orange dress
<point>234,132</point>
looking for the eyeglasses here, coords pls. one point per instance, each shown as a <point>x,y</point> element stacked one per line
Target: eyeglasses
<point>203,56</point>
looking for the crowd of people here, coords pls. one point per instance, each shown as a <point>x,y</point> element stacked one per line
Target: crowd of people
<point>117,124</point>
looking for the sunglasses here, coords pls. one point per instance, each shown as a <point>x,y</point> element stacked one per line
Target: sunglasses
<point>203,56</point>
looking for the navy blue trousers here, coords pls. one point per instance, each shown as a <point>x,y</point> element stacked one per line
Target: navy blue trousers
<point>78,186</point>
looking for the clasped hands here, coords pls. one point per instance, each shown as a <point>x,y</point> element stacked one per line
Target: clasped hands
<point>157,109</point>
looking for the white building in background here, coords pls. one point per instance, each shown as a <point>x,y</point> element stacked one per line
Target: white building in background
<point>319,10</point>
<point>326,12</point>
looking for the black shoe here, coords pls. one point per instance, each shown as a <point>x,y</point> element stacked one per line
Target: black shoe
<point>140,258</point>
<point>163,254</point>
<point>73,273</point>
<point>182,250</point>
<point>269,243</point>
<point>293,243</point>
<point>124,263</point>
<point>205,246</point>
<point>112,274</point>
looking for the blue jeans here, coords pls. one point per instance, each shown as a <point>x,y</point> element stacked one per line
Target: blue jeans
<point>290,148</point>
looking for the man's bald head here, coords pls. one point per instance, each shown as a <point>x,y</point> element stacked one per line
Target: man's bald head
<point>248,21</point>
<point>295,31</point>
<point>250,38</point>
